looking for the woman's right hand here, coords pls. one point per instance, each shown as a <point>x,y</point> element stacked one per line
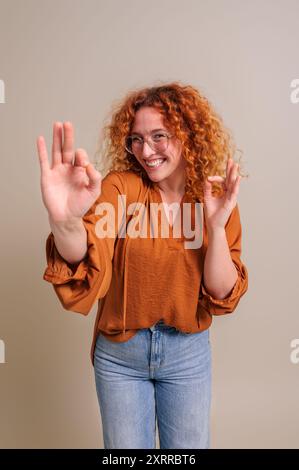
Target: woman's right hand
<point>72,184</point>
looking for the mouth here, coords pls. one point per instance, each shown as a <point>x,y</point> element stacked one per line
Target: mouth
<point>154,164</point>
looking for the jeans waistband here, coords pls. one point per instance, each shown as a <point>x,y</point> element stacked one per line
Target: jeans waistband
<point>161,325</point>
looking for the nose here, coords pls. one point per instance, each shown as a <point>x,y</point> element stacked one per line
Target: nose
<point>146,150</point>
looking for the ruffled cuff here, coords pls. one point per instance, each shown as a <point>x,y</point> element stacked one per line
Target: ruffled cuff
<point>79,285</point>
<point>59,271</point>
<point>229,303</point>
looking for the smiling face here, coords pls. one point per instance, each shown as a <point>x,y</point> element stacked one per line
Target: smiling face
<point>171,172</point>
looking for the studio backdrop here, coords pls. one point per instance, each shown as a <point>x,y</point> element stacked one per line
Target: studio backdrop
<point>72,60</point>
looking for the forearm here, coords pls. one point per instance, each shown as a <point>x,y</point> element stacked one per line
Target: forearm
<point>70,240</point>
<point>220,273</point>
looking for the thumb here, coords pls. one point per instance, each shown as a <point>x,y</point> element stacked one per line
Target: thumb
<point>94,177</point>
<point>207,188</point>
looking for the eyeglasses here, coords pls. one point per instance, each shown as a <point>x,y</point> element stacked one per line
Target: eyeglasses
<point>158,142</point>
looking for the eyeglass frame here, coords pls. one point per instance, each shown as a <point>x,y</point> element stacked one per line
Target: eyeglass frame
<point>169,136</point>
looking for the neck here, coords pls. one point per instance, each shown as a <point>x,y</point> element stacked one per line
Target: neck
<point>175,183</point>
<point>171,189</point>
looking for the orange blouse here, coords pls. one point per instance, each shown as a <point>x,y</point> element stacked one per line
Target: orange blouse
<point>139,280</point>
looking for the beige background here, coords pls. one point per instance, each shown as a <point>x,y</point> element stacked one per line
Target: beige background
<point>69,60</point>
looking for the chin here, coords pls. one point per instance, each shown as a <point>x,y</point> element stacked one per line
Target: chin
<point>156,177</point>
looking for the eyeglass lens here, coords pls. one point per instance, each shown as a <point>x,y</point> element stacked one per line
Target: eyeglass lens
<point>157,142</point>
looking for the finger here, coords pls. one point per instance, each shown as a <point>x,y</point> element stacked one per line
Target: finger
<point>229,163</point>
<point>232,176</point>
<point>218,179</point>
<point>81,158</point>
<point>236,185</point>
<point>56,143</point>
<point>94,176</point>
<point>232,194</point>
<point>68,144</point>
<point>207,189</point>
<point>229,167</point>
<point>42,154</point>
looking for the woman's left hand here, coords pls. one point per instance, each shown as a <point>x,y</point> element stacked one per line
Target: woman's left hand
<point>218,209</point>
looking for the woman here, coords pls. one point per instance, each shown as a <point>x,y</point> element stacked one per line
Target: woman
<point>167,148</point>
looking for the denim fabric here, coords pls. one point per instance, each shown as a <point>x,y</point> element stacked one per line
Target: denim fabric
<point>159,376</point>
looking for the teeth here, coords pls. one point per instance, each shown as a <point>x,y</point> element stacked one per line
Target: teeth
<point>157,162</point>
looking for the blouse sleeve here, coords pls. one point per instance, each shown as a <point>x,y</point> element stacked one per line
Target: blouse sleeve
<point>79,285</point>
<point>234,235</point>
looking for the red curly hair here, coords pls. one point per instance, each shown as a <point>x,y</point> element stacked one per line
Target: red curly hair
<point>207,144</point>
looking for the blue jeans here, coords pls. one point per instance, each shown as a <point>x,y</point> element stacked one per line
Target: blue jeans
<point>160,374</point>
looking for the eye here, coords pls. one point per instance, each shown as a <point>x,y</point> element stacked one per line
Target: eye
<point>158,136</point>
<point>134,138</point>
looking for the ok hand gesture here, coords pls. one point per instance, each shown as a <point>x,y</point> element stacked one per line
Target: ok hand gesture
<point>71,185</point>
<point>218,209</point>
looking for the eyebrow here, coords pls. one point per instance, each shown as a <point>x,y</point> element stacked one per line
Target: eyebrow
<point>153,130</point>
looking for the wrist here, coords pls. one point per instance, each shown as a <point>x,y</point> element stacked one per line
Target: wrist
<point>69,225</point>
<point>216,232</point>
